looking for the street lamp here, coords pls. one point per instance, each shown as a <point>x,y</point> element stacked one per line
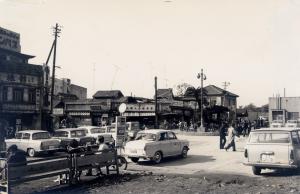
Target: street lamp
<point>202,77</point>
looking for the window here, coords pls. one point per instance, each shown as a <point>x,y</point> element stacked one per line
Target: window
<point>42,135</point>
<point>23,78</point>
<point>163,136</point>
<point>4,94</point>
<point>10,77</point>
<point>171,135</point>
<point>26,136</point>
<point>270,138</point>
<point>61,134</point>
<point>78,133</point>
<point>18,95</point>
<point>31,96</point>
<point>295,138</point>
<point>18,135</point>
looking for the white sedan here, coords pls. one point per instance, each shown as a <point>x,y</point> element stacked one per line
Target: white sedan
<point>155,145</point>
<point>95,132</point>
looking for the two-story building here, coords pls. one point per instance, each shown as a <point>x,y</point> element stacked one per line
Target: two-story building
<point>21,86</point>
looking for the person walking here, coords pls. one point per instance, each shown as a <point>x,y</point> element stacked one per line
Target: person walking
<point>230,138</point>
<point>222,133</point>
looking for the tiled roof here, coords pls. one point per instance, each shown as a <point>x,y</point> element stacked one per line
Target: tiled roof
<point>165,93</point>
<point>212,90</point>
<point>108,94</point>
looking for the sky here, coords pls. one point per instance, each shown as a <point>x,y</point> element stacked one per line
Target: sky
<point>124,44</point>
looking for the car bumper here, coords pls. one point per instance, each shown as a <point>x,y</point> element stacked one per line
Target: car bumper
<point>268,165</point>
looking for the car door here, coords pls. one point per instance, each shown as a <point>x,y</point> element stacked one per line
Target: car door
<point>165,144</point>
<point>296,145</point>
<point>175,147</point>
<point>25,142</point>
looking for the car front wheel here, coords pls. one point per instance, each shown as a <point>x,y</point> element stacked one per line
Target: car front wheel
<point>256,170</point>
<point>184,152</point>
<point>157,157</point>
<point>31,152</point>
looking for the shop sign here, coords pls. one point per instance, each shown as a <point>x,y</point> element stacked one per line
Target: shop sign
<point>120,130</point>
<point>10,40</point>
<point>58,111</point>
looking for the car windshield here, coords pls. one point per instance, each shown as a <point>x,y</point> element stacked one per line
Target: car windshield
<point>97,130</point>
<point>146,136</point>
<point>42,135</point>
<point>60,134</point>
<point>292,121</point>
<point>269,137</point>
<point>78,133</point>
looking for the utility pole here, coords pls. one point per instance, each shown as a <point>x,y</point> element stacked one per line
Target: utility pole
<point>203,77</point>
<point>156,116</point>
<point>57,31</point>
<point>226,84</point>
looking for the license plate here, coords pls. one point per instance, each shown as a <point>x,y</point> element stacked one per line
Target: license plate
<point>267,158</point>
<point>51,147</point>
<point>88,143</point>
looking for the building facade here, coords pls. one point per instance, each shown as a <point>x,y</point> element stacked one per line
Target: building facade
<point>21,86</point>
<point>284,108</point>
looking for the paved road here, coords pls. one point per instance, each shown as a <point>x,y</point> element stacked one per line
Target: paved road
<point>204,156</point>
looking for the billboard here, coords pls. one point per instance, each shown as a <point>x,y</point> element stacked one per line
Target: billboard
<point>10,40</point>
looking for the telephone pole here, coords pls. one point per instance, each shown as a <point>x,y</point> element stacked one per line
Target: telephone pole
<point>156,114</point>
<point>201,76</point>
<point>57,31</point>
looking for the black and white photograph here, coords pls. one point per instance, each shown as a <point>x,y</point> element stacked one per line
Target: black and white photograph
<point>149,96</point>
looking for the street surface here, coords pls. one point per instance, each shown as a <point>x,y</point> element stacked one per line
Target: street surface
<point>204,156</point>
<point>207,169</point>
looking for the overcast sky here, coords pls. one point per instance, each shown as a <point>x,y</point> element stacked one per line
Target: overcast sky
<point>123,44</point>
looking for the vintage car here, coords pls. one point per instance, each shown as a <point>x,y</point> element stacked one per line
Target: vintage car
<point>273,148</point>
<point>95,132</point>
<point>156,144</point>
<point>292,123</point>
<point>66,135</point>
<point>276,124</point>
<point>34,142</point>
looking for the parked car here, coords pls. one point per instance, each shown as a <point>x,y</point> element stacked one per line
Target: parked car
<point>33,142</point>
<point>276,124</point>
<point>292,123</point>
<point>95,132</point>
<point>273,148</point>
<point>132,129</point>
<point>156,144</point>
<point>66,135</point>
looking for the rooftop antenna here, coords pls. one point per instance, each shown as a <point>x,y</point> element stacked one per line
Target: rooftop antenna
<point>226,84</point>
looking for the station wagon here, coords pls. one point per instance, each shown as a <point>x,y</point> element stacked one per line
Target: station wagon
<point>273,148</point>
<point>34,142</point>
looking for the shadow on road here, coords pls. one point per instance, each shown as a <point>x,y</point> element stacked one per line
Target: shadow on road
<point>281,173</point>
<point>176,161</point>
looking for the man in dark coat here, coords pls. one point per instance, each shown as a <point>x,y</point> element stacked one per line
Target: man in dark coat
<point>222,133</point>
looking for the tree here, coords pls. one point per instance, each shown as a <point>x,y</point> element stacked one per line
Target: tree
<point>180,89</point>
<point>250,106</point>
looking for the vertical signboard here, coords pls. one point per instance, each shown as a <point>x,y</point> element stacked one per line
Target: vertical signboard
<point>120,130</point>
<point>9,40</point>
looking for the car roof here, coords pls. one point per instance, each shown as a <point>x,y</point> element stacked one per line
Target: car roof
<point>31,131</point>
<point>69,129</point>
<point>154,131</point>
<point>88,127</point>
<point>277,129</point>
